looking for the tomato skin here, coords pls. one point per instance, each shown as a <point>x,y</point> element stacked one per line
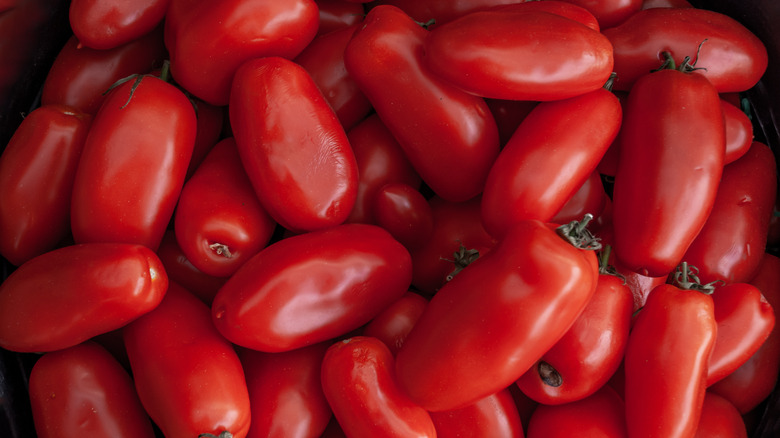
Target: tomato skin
<point>83,390</point>
<point>590,351</point>
<point>404,212</point>
<point>336,14</point>
<point>666,362</point>
<point>321,284</point>
<point>670,165</point>
<point>589,198</point>
<point>562,8</point>
<point>133,165</point>
<point>509,114</point>
<point>493,416</point>
<point>609,13</point>
<point>449,136</point>
<point>732,57</point>
<point>358,381</point>
<point>80,75</point>
<point>601,414</point>
<point>739,131</point>
<point>211,121</point>
<point>219,222</point>
<point>99,287</point>
<point>187,376</point>
<point>486,53</point>
<point>442,11</point>
<point>742,210</point>
<point>285,392</point>
<point>649,4</point>
<point>720,419</point>
<point>445,362</point>
<point>293,147</point>
<point>181,271</point>
<point>209,40</point>
<point>545,162</point>
<point>103,25</point>
<point>37,169</point>
<point>394,323</point>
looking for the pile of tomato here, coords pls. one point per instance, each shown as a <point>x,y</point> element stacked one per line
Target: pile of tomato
<point>395,218</point>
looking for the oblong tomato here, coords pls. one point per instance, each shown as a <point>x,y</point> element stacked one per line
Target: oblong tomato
<point>68,295</point>
<point>181,271</point>
<point>394,323</point>
<point>720,419</point>
<point>601,414</point>
<point>609,13</point>
<point>493,416</point>
<point>404,212</point>
<point>312,287</point>
<point>739,131</point>
<point>105,24</point>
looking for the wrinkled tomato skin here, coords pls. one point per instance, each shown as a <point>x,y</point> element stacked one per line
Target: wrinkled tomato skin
<point>358,381</point>
<point>449,136</point>
<point>720,419</point>
<point>105,24</point>
<point>404,212</point>
<point>84,391</point>
<point>431,365</point>
<point>133,164</point>
<point>495,416</point>
<point>68,295</point>
<point>312,287</point>
<point>294,150</point>
<point>37,170</point>
<point>394,323</point>
<point>188,377</point>
<point>337,14</point>
<point>601,414</point>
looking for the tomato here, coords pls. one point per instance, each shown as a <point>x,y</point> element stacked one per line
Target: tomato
<point>745,319</point>
<point>80,76</point>
<point>358,381</point>
<point>394,323</point>
<point>103,25</point>
<point>496,318</point>
<point>493,416</point>
<point>285,392</point>
<point>720,419</point>
<point>181,271</point>
<point>670,164</point>
<point>323,59</point>
<point>610,13</point>
<point>666,361</point>
<point>509,114</point>
<point>584,359</point>
<point>211,120</point>
<point>37,170</point>
<point>648,4</point>
<point>486,53</point>
<point>742,211</point>
<point>449,136</point>
<point>133,165</point>
<point>546,161</point>
<point>440,11</point>
<point>187,376</point>
<point>336,14</point>
<point>83,391</point>
<point>562,8</point>
<point>404,212</point>
<point>739,131</point>
<point>66,296</point>
<point>730,56</point>
<point>589,198</point>
<point>312,287</point>
<point>380,161</point>
<point>209,40</point>
<point>293,147</point>
<point>601,414</point>
<point>219,221</point>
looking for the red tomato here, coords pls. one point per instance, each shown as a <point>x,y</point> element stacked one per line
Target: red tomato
<point>211,120</point>
<point>404,212</point>
<point>133,165</point>
<point>449,136</point>
<point>37,169</point>
<point>509,114</point>
<point>610,13</point>
<point>68,295</point>
<point>648,4</point>
<point>285,392</point>
<point>312,287</point>
<point>589,198</point>
<point>739,131</point>
<point>380,161</point>
<point>670,164</point>
<point>209,40</point>
<point>666,362</point>
<point>188,377</point>
<point>358,380</point>
<point>181,271</point>
<point>83,391</point>
<point>601,414</point>
<point>394,323</point>
<point>105,24</point>
<point>584,359</point>
<point>80,76</point>
<point>487,53</point>
<point>493,416</point>
<point>523,296</point>
<point>293,147</point>
<point>549,157</point>
<point>742,210</point>
<point>219,221</point>
<point>720,419</point>
<point>336,14</point>
<point>730,56</point>
<point>440,11</point>
<point>323,59</point>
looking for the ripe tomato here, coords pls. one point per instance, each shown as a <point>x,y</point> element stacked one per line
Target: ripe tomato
<point>610,13</point>
<point>337,14</point>
<point>601,414</point>
<point>359,383</point>
<point>440,11</point>
<point>739,131</point>
<point>648,4</point>
<point>312,287</point>
<point>720,419</point>
<point>211,121</point>
<point>562,8</point>
<point>449,136</point>
<point>394,323</point>
<point>404,212</point>
<point>493,416</point>
<point>523,296</point>
<point>181,271</point>
<point>105,24</point>
<point>37,169</point>
<point>589,198</point>
<point>293,147</point>
<point>509,114</point>
<point>66,296</point>
<point>188,377</point>
<point>83,391</point>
